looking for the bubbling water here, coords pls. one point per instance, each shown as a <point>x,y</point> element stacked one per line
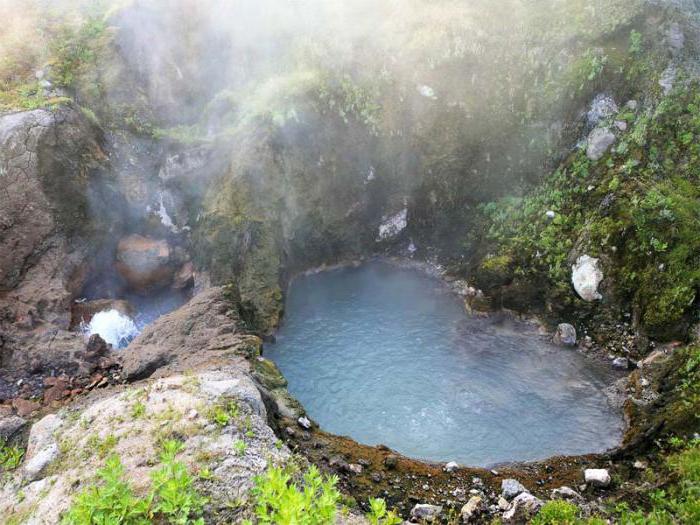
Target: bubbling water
<point>113,326</point>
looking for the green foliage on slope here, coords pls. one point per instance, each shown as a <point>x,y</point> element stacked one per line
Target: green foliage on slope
<point>638,208</point>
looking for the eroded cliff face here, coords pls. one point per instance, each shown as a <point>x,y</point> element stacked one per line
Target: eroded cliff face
<point>50,160</point>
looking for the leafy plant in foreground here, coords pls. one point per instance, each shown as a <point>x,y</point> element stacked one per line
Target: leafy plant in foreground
<point>172,497</point>
<point>10,456</point>
<point>379,515</point>
<point>281,501</point>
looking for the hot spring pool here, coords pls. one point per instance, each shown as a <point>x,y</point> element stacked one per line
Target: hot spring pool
<point>389,355</point>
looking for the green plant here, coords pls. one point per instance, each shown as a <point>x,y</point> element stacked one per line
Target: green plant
<point>379,515</point>
<point>223,413</point>
<point>138,409</point>
<point>240,447</point>
<point>111,502</point>
<point>171,499</point>
<point>10,456</point>
<point>173,493</point>
<point>281,501</point>
<point>556,512</point>
<point>635,47</point>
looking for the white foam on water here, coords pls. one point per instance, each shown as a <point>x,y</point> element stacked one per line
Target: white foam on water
<point>114,327</point>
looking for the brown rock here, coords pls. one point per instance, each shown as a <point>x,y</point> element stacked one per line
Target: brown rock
<point>24,407</point>
<point>144,263</point>
<point>55,393</point>
<point>184,277</point>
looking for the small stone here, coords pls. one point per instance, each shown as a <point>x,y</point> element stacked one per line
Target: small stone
<point>473,508</point>
<point>451,466</point>
<point>192,414</point>
<point>597,477</point>
<point>391,461</point>
<point>621,125</point>
<point>290,431</point>
<point>304,422</point>
<point>24,407</point>
<point>565,335</point>
<point>550,214</point>
<point>355,468</point>
<point>503,503</point>
<point>566,493</point>
<point>423,511</point>
<point>640,465</point>
<point>511,488</point>
<point>376,477</point>
<point>621,363</point>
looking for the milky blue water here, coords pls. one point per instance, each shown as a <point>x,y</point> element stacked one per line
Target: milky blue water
<point>389,355</point>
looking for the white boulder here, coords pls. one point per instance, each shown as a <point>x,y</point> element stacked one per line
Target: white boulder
<point>393,225</point>
<point>511,488</point>
<point>597,477</point>
<point>599,141</point>
<point>586,276</point>
<point>426,512</point>
<point>523,507</point>
<point>42,448</point>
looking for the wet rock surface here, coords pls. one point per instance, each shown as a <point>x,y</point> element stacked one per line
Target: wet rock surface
<point>144,263</point>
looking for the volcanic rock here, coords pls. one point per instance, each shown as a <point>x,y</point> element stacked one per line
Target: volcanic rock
<point>144,263</point>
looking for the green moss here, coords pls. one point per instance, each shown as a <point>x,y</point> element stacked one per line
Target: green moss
<point>267,373</point>
<point>638,208</point>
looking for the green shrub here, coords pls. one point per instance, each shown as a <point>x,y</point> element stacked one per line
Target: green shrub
<point>281,501</point>
<point>113,501</point>
<point>556,513</point>
<point>171,498</point>
<point>680,501</point>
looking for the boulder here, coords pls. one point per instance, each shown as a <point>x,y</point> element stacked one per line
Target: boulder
<point>602,107</point>
<point>621,363</point>
<point>42,448</point>
<point>472,509</point>
<point>10,426</point>
<point>451,466</point>
<point>599,141</point>
<point>24,407</point>
<point>425,512</point>
<point>184,278</point>
<point>586,276</point>
<point>597,477</point>
<point>565,335</point>
<point>201,329</point>
<point>144,263</point>
<point>566,493</point>
<point>511,488</point>
<point>522,508</point>
<point>393,225</point>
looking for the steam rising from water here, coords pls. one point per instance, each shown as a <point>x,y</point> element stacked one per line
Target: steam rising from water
<point>114,327</point>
